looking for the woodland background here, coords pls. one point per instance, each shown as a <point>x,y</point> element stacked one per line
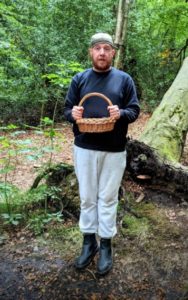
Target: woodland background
<point>44,43</point>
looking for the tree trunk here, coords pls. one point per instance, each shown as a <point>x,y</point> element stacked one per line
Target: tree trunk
<point>166,130</point>
<point>145,166</point>
<point>154,159</point>
<point>121,31</point>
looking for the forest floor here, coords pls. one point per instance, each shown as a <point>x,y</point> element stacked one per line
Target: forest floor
<point>150,249</point>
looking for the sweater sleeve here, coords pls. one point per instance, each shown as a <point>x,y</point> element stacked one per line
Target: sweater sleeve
<point>132,108</point>
<point>72,98</point>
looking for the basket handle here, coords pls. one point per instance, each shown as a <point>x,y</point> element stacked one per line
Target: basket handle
<point>95,94</point>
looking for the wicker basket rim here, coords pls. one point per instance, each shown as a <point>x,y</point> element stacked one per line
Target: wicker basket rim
<point>99,124</point>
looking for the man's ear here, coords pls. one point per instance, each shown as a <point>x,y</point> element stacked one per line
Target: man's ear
<point>90,52</point>
<point>113,52</point>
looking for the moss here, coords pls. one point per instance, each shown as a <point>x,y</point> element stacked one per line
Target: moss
<point>134,227</point>
<point>185,287</point>
<point>66,240</point>
<point>164,131</point>
<point>145,208</point>
<point>149,225</point>
<point>162,224</point>
<point>159,223</point>
<point>168,147</point>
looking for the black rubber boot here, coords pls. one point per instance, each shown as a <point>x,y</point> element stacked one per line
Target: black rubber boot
<point>105,262</point>
<point>89,250</point>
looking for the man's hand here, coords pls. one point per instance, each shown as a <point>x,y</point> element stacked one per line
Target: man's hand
<point>114,111</point>
<point>77,112</point>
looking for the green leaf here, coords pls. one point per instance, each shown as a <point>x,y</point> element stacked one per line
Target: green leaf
<point>12,126</point>
<point>34,157</point>
<point>6,170</point>
<point>47,121</point>
<point>23,142</point>
<point>18,132</point>
<point>15,222</point>
<point>5,216</point>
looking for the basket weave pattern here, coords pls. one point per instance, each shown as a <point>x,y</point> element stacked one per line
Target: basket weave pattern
<point>95,124</point>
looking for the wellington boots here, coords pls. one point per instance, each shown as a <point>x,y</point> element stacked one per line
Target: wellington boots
<point>105,257</point>
<point>89,249</point>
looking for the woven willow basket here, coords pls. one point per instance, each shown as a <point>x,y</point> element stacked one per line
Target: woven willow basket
<point>95,124</point>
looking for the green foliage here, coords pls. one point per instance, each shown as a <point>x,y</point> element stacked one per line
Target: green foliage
<point>135,227</point>
<point>42,207</point>
<point>62,73</point>
<point>156,35</point>
<point>41,45</point>
<point>43,197</point>
<point>8,194</point>
<point>11,205</point>
<point>38,221</point>
<point>36,208</point>
<point>12,202</point>
<point>12,219</point>
<point>44,43</point>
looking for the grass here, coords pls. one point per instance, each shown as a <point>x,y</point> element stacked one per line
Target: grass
<point>135,227</point>
<point>64,238</point>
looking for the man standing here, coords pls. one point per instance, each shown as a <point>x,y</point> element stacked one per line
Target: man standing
<point>100,158</point>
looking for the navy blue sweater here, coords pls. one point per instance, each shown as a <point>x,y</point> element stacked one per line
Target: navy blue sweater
<point>119,87</point>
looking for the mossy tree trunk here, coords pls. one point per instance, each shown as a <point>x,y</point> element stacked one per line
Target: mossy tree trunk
<point>167,128</point>
<point>154,159</point>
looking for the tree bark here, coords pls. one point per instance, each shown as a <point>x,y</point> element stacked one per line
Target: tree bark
<point>154,159</point>
<point>167,128</point>
<point>145,166</point>
<point>121,31</point>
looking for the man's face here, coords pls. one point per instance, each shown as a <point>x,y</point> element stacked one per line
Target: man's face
<point>102,55</point>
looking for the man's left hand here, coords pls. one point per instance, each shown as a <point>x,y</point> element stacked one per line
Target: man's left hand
<point>114,111</point>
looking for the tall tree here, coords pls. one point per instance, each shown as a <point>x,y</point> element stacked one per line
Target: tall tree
<point>156,156</point>
<point>121,31</point>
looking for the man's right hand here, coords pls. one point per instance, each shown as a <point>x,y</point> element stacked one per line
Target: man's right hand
<point>77,112</point>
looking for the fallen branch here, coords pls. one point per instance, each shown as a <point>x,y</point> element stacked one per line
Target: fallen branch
<point>145,166</point>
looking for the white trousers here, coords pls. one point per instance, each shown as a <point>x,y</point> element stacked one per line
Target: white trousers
<point>99,176</point>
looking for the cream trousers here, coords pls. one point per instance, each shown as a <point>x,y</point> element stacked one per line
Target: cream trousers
<point>99,176</point>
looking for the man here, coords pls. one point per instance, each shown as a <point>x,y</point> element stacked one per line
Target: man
<point>100,158</point>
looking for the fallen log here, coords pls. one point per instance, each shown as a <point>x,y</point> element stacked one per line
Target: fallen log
<point>145,166</point>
